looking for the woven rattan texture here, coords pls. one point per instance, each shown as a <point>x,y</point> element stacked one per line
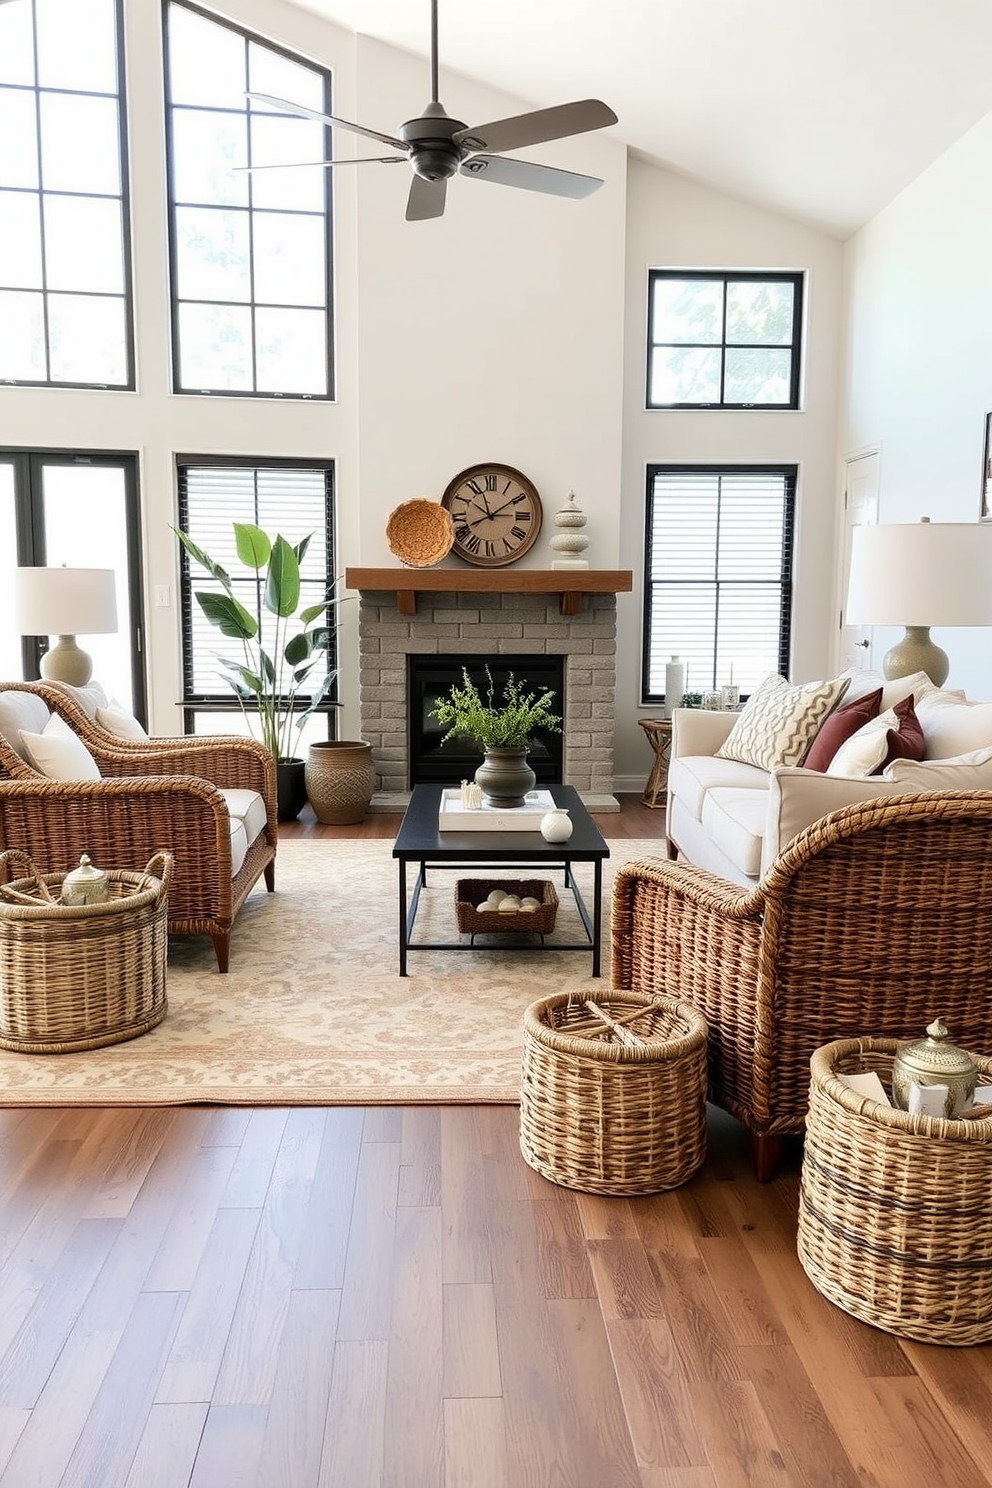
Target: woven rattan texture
<point>613,1091</point>
<point>79,977</point>
<point>160,793</point>
<point>472,891</point>
<point>420,532</point>
<point>869,922</point>
<point>895,1211</point>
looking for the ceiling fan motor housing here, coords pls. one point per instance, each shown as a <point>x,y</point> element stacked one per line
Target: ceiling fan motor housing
<point>433,153</point>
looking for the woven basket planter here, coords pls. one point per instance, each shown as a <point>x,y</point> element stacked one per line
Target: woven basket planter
<point>895,1211</point>
<point>78,977</point>
<point>472,891</point>
<point>613,1091</point>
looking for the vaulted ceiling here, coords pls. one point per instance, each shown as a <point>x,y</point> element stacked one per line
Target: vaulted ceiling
<point>821,109</point>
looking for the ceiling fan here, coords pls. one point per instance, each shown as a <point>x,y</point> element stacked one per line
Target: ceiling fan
<point>438,146</point>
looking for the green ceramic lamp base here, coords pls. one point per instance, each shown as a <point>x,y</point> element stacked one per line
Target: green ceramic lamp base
<point>916,652</point>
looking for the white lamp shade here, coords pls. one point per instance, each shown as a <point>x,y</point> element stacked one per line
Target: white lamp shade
<point>921,573</point>
<point>65,601</point>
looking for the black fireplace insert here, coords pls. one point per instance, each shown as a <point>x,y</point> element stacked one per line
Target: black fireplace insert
<point>431,677</point>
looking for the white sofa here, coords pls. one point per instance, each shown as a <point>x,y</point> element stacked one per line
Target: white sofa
<point>734,819</point>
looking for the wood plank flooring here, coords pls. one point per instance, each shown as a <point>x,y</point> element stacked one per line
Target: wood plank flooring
<point>390,1298</point>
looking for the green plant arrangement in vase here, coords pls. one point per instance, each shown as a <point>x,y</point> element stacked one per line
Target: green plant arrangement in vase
<point>503,728</point>
<point>268,677</point>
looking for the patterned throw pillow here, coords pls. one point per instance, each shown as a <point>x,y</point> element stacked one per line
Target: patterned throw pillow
<point>780,722</point>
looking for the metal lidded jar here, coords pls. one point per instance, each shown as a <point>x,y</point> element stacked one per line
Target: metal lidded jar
<point>935,1061</point>
<point>86,884</point>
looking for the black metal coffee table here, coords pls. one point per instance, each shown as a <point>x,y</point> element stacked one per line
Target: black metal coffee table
<point>420,841</point>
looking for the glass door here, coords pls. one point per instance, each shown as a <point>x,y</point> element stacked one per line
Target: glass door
<point>80,510</point>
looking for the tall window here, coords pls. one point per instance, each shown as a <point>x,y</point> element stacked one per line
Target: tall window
<point>723,340</point>
<point>294,498</point>
<point>718,574</point>
<point>251,259</point>
<point>80,509</point>
<point>65,295</point>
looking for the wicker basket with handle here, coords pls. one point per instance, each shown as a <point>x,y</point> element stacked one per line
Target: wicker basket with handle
<point>471,892</point>
<point>895,1210</point>
<point>613,1091</point>
<point>78,977</point>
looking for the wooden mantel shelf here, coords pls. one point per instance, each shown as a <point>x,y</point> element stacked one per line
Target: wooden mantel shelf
<point>568,583</point>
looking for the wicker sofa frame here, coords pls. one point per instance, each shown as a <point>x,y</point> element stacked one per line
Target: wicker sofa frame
<point>154,794</point>
<point>873,920</point>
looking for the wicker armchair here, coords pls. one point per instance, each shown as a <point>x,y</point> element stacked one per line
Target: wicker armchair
<point>159,793</point>
<point>874,920</point>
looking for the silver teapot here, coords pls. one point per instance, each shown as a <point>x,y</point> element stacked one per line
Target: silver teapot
<point>934,1061</point>
<point>86,884</point>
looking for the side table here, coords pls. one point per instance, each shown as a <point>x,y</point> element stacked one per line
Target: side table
<point>659,733</point>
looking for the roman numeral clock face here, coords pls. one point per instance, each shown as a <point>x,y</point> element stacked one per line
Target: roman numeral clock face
<point>496,513</point>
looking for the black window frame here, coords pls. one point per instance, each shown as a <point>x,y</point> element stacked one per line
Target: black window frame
<point>247,36</point>
<point>789,473</point>
<point>194,702</point>
<point>129,383</point>
<point>725,277</point>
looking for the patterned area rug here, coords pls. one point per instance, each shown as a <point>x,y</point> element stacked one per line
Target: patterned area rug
<point>313,1011</point>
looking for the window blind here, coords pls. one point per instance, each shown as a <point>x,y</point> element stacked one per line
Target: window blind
<point>718,575</point>
<point>294,500</point>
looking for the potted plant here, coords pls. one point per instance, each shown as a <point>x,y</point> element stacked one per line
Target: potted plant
<point>272,672</point>
<point>504,729</point>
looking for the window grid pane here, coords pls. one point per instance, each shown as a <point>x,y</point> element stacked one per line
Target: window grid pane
<point>296,501</point>
<point>228,245</point>
<point>718,575</point>
<point>723,340</point>
<point>68,95</point>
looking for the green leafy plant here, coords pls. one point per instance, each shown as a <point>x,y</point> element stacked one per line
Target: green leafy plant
<point>269,679</point>
<point>508,724</point>
<point>691,700</point>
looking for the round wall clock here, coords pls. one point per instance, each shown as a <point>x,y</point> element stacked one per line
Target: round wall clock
<point>496,512</point>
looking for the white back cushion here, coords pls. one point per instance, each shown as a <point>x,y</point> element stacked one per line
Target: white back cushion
<point>952,726</point>
<point>21,710</point>
<point>118,721</point>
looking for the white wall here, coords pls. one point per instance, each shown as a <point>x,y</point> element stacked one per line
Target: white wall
<point>675,223</point>
<point>918,379</point>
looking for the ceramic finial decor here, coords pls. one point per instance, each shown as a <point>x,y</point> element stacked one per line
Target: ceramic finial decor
<point>570,542</point>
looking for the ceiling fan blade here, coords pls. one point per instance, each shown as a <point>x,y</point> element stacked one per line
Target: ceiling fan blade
<point>249,170</point>
<point>529,177</point>
<point>283,106</point>
<point>426,199</point>
<point>535,128</point>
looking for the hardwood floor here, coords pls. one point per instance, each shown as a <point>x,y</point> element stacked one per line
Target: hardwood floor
<point>390,1298</point>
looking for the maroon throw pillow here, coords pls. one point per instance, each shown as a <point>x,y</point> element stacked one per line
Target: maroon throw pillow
<point>905,741</point>
<point>838,728</point>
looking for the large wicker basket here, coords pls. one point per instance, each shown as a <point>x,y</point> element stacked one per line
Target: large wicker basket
<point>613,1093</point>
<point>895,1211</point>
<point>78,977</point>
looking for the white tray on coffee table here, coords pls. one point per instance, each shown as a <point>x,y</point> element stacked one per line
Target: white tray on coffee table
<point>454,817</point>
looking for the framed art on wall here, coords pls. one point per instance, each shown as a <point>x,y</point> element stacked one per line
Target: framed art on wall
<point>985,510</point>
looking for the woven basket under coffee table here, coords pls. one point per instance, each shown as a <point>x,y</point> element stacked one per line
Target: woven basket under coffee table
<point>895,1211</point>
<point>613,1091</point>
<point>76,977</point>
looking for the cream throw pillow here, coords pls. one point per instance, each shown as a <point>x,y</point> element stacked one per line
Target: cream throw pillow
<point>58,753</point>
<point>780,722</point>
<point>118,721</point>
<point>863,752</point>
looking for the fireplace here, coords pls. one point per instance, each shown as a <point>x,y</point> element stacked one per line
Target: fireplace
<point>432,676</point>
<point>567,619</point>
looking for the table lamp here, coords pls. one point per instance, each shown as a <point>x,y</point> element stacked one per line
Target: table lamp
<point>66,602</point>
<point>919,574</point>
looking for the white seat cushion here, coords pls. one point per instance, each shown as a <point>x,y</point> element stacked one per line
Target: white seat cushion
<point>247,806</point>
<point>735,821</point>
<point>690,777</point>
<point>18,711</point>
<point>239,845</point>
<point>88,698</point>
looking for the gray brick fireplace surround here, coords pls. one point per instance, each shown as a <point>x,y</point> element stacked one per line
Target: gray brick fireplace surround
<point>472,624</point>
